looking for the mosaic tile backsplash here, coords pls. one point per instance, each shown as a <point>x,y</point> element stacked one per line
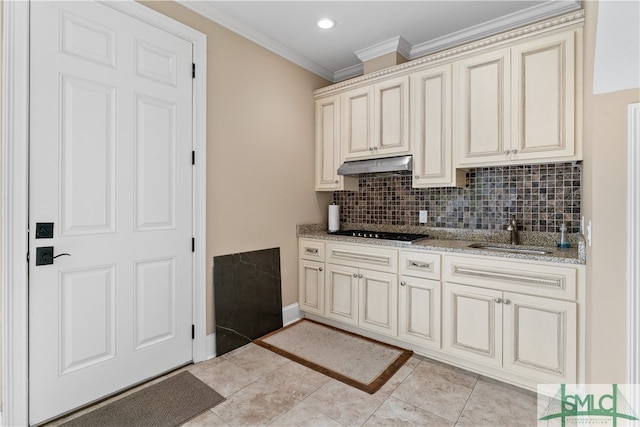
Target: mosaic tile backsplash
<point>541,197</point>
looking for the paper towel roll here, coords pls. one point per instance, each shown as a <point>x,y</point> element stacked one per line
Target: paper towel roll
<point>334,217</point>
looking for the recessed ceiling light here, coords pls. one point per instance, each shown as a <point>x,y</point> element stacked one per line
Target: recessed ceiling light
<point>325,23</point>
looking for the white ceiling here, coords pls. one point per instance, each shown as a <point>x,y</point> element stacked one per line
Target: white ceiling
<point>366,29</point>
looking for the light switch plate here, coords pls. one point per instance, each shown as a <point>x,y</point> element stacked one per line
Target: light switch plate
<point>423,217</point>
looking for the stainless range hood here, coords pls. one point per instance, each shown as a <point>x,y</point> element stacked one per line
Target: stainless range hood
<point>388,164</point>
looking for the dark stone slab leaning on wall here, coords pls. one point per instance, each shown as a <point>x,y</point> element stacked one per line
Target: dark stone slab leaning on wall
<point>248,297</point>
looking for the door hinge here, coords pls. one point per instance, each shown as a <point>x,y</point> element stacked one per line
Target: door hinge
<point>193,244</point>
<point>193,332</point>
<point>193,71</point>
<point>193,157</point>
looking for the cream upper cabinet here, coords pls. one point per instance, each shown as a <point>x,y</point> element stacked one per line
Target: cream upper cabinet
<point>328,147</point>
<point>431,105</point>
<point>375,120</point>
<point>517,105</point>
<point>543,98</point>
<point>482,108</point>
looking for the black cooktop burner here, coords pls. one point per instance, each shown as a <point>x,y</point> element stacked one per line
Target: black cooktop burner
<point>384,235</point>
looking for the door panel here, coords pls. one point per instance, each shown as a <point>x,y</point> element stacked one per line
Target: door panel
<point>87,166</point>
<point>87,318</point>
<point>155,164</point>
<point>110,145</point>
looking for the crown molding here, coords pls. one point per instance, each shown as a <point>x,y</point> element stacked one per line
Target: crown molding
<point>571,19</point>
<point>495,26</point>
<point>348,72</point>
<point>396,44</point>
<point>216,15</point>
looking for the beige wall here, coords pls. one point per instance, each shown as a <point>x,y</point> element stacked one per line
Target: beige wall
<point>260,150</point>
<point>604,188</point>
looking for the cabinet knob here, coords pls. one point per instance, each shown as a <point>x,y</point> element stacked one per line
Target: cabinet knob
<point>359,276</point>
<point>320,269</point>
<point>355,275</point>
<point>403,283</point>
<point>375,148</point>
<point>336,181</point>
<point>417,176</point>
<point>514,151</point>
<point>507,302</point>
<point>506,152</point>
<point>370,148</point>
<point>498,300</point>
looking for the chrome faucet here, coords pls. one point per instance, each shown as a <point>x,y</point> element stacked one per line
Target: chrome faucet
<point>513,228</point>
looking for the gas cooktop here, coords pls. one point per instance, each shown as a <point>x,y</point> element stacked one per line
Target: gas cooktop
<point>384,235</point>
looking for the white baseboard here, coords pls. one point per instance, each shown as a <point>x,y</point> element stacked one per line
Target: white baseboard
<point>211,346</point>
<point>290,314</point>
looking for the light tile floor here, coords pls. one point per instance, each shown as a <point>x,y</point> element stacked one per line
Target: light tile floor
<point>263,388</point>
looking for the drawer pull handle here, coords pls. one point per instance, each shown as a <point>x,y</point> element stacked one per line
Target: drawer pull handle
<point>369,258</point>
<point>498,300</point>
<point>311,250</point>
<point>419,265</point>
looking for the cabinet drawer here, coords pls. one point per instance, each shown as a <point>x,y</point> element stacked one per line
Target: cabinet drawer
<point>540,279</point>
<point>380,259</point>
<point>312,250</point>
<point>420,264</point>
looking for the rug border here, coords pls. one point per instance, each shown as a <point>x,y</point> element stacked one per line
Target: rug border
<point>370,388</point>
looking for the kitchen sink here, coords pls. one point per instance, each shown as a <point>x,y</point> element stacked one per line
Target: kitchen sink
<point>510,249</point>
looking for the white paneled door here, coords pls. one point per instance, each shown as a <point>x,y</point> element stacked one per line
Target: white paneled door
<point>110,167</point>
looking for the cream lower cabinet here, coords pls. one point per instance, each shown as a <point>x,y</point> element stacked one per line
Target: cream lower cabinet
<point>363,297</point>
<point>531,336</point>
<point>311,286</point>
<point>419,311</point>
<point>311,275</point>
<point>362,286</point>
<point>419,298</point>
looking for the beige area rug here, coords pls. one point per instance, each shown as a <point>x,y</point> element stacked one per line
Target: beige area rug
<point>355,360</point>
<point>170,402</point>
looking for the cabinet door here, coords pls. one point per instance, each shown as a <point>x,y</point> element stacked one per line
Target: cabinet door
<point>483,108</point>
<point>473,323</point>
<point>311,286</point>
<point>391,117</point>
<point>540,338</point>
<point>378,297</point>
<point>542,75</point>
<point>357,123</point>
<point>431,125</point>
<point>342,293</point>
<point>419,311</point>
<point>328,143</point>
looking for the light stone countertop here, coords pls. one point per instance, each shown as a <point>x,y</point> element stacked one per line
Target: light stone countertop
<point>458,241</point>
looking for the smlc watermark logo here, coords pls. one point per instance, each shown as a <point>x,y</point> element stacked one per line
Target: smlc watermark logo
<point>588,404</point>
